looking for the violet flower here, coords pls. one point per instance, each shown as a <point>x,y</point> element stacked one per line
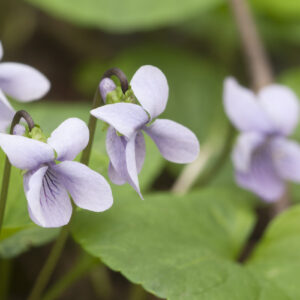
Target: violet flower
<point>125,142</point>
<point>263,157</point>
<point>47,183</point>
<point>21,82</point>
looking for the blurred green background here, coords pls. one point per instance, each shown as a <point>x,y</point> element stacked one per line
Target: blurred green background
<point>194,42</point>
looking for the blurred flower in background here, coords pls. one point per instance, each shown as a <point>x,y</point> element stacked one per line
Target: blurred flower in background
<point>263,157</point>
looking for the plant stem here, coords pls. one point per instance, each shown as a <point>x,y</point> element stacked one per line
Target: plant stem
<point>84,264</point>
<point>7,167</point>
<point>55,253</point>
<point>58,247</point>
<point>48,268</point>
<point>86,154</point>
<point>260,69</point>
<point>4,190</point>
<point>85,158</point>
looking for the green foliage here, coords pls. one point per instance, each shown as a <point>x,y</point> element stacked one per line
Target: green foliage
<point>186,247</point>
<point>127,15</point>
<point>176,247</point>
<point>14,241</point>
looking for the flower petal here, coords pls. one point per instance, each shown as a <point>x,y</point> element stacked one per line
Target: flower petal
<point>6,113</point>
<point>106,86</point>
<point>150,86</point>
<point>282,106</point>
<point>25,153</point>
<point>114,176</point>
<point>246,144</point>
<point>243,109</point>
<point>175,142</point>
<point>88,189</point>
<point>131,164</point>
<point>69,139</point>
<point>19,129</point>
<point>126,118</point>
<point>115,147</point>
<point>140,151</point>
<point>262,177</point>
<point>23,82</point>
<point>1,50</point>
<point>286,156</point>
<point>48,201</point>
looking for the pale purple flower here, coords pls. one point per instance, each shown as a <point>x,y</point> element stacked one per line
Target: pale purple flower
<point>51,175</point>
<point>263,157</point>
<point>21,82</point>
<point>125,142</point>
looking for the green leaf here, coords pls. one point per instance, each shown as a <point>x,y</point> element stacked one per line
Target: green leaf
<point>14,241</point>
<point>176,247</point>
<point>277,257</point>
<point>125,15</point>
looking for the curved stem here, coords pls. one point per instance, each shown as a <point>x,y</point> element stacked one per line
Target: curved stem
<point>58,247</point>
<point>86,154</point>
<point>7,167</point>
<point>120,75</point>
<point>85,158</point>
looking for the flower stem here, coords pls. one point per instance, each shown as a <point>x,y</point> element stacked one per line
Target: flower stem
<point>85,158</point>
<point>7,167</point>
<point>86,154</point>
<point>58,247</point>
<point>49,266</point>
<point>259,66</point>
<point>4,190</point>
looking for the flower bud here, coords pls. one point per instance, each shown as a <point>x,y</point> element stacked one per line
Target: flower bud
<point>106,86</point>
<point>19,129</point>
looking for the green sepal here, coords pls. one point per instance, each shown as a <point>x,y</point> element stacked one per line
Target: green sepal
<point>115,96</point>
<point>37,134</point>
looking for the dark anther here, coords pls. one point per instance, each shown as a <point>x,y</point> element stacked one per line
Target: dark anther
<point>17,118</point>
<point>121,76</point>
